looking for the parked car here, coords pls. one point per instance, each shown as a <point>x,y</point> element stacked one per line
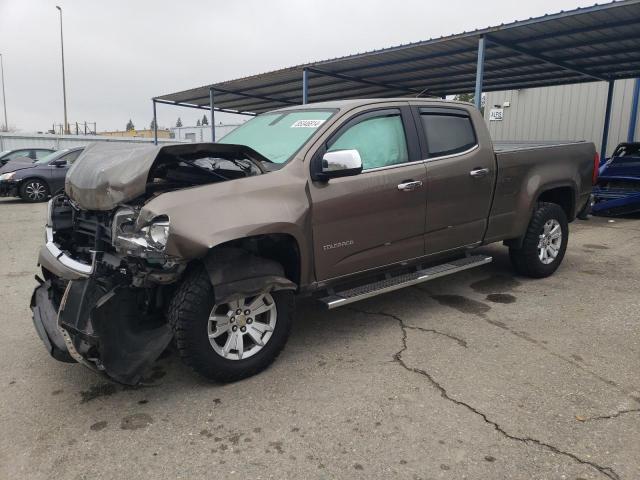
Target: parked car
<point>617,191</point>
<point>36,181</point>
<point>31,153</point>
<point>208,243</point>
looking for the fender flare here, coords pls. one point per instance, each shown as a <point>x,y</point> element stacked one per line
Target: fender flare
<point>236,273</point>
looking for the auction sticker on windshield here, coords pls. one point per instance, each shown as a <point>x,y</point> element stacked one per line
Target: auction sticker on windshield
<point>307,123</point>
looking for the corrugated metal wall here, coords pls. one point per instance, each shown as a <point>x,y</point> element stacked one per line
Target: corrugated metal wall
<point>568,112</point>
<point>10,141</point>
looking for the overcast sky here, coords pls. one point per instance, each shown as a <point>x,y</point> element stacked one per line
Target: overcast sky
<point>120,53</point>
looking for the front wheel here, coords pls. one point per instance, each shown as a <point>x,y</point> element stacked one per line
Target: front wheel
<point>544,244</point>
<point>34,190</point>
<point>228,341</point>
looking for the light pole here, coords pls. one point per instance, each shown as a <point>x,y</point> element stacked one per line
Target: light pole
<point>64,86</point>
<point>4,99</point>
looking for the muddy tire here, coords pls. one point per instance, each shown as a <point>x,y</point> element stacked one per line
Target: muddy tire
<point>544,244</point>
<point>34,190</point>
<point>209,338</point>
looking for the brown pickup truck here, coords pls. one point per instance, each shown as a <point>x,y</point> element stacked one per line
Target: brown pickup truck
<point>208,244</point>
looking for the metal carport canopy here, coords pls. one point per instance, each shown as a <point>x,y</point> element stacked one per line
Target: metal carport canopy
<point>598,43</point>
<point>601,42</point>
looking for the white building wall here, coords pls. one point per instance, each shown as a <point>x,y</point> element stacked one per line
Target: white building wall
<point>10,141</point>
<point>567,112</point>
<point>202,133</point>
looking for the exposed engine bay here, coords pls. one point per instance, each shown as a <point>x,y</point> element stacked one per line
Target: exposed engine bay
<point>107,279</point>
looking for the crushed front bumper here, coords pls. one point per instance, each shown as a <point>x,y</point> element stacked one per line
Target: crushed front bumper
<point>8,188</point>
<point>102,327</point>
<point>616,201</point>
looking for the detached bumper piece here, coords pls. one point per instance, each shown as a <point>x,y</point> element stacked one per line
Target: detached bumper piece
<point>45,320</point>
<point>104,327</point>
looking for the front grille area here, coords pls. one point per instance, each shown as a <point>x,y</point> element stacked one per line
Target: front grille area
<point>78,232</point>
<point>91,229</point>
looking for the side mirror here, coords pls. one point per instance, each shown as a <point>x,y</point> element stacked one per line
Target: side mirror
<point>340,163</point>
<point>59,163</point>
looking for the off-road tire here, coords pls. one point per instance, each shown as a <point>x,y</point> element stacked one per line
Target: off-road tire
<point>24,195</point>
<point>525,259</point>
<point>188,315</point>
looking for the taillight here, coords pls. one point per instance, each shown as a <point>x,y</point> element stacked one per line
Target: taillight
<point>596,167</point>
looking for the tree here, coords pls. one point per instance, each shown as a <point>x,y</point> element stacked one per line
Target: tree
<point>205,120</point>
<point>465,97</point>
<point>130,126</point>
<point>198,123</point>
<point>153,125</point>
<point>179,123</point>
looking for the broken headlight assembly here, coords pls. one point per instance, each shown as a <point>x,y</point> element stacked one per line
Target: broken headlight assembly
<point>150,239</point>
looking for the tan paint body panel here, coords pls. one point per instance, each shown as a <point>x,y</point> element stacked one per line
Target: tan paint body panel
<point>373,224</point>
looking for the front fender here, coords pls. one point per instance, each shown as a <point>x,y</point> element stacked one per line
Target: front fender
<point>235,273</point>
<point>207,216</point>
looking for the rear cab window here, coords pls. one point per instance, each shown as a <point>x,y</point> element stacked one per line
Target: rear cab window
<point>448,131</point>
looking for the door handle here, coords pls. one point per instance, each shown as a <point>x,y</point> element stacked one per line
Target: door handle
<point>479,172</point>
<point>409,186</point>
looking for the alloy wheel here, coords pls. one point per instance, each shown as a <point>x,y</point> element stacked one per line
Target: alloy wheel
<point>36,191</point>
<point>241,328</point>
<point>550,241</point>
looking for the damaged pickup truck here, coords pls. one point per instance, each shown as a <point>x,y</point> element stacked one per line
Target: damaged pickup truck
<point>208,244</point>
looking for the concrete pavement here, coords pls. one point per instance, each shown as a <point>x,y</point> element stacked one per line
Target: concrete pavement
<point>482,375</point>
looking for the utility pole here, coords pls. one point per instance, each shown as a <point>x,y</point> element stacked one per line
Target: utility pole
<point>4,99</point>
<point>64,86</point>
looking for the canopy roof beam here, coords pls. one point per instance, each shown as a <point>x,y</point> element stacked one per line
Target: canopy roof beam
<point>545,58</point>
<point>364,81</point>
<point>202,107</point>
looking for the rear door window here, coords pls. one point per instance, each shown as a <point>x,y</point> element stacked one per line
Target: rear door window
<point>17,154</point>
<point>42,153</point>
<point>447,133</point>
<point>71,157</point>
<point>380,140</point>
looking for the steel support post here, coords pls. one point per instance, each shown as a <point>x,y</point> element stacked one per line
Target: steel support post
<point>155,123</point>
<point>633,116</point>
<point>305,86</point>
<point>479,72</point>
<point>213,120</point>
<point>607,119</point>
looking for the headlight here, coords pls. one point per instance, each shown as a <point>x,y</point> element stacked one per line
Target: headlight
<point>158,233</point>
<point>7,176</point>
<point>150,238</point>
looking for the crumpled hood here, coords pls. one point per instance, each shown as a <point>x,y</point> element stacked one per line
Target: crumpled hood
<point>19,163</point>
<point>621,167</point>
<point>106,175</point>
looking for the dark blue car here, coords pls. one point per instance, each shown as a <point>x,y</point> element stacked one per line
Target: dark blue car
<point>36,181</point>
<point>617,191</point>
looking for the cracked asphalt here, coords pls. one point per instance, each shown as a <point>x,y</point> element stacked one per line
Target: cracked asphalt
<point>481,375</point>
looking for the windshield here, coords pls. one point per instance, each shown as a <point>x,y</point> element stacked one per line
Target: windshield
<point>52,156</point>
<point>279,135</point>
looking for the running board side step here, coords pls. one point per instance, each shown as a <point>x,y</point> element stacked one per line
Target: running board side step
<point>345,297</point>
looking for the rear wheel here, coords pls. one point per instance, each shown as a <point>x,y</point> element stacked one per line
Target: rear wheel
<point>228,341</point>
<point>544,244</point>
<point>34,190</point>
